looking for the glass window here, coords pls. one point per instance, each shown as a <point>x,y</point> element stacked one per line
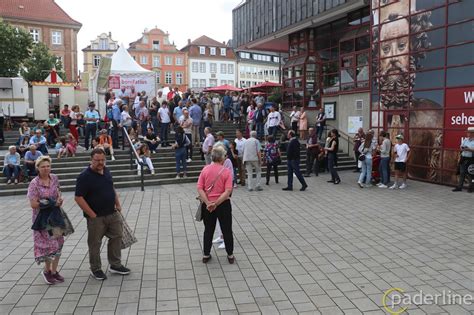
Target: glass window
<point>362,73</point>
<point>323,43</point>
<point>429,79</point>
<point>156,61</point>
<point>96,60</point>
<point>179,61</point>
<point>144,60</point>
<point>168,60</point>
<point>145,39</point>
<point>168,77</point>
<point>202,50</point>
<point>156,45</point>
<point>223,51</point>
<point>461,33</point>
<point>195,67</point>
<point>213,82</point>
<point>362,59</point>
<point>212,51</point>
<point>179,78</point>
<point>431,59</point>
<point>347,61</point>
<point>435,38</point>
<point>35,33</point>
<point>459,55</point>
<point>56,37</point>
<point>362,43</point>
<point>460,10</point>
<point>202,67</point>
<point>104,43</point>
<point>230,82</point>
<point>230,69</point>
<point>422,5</point>
<point>223,68</point>
<point>195,83</point>
<point>298,71</point>
<point>223,82</point>
<point>460,76</point>
<point>158,77</point>
<point>436,96</point>
<point>347,46</point>
<point>213,67</point>
<point>347,76</point>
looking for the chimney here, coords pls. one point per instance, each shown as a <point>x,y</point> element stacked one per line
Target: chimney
<point>223,42</point>
<point>110,34</point>
<point>189,41</point>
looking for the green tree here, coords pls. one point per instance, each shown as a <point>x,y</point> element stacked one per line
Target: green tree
<point>15,46</point>
<point>41,61</point>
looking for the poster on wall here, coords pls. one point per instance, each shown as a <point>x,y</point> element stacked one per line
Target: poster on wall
<point>330,110</point>
<point>354,123</point>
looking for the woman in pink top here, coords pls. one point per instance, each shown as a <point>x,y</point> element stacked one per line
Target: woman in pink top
<point>215,187</point>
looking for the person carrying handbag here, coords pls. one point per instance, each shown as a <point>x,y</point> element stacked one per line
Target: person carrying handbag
<point>215,187</point>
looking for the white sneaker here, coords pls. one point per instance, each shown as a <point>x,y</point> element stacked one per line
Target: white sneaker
<point>139,173</point>
<point>152,172</point>
<point>189,160</point>
<point>177,177</point>
<point>360,184</point>
<point>383,186</point>
<point>218,240</point>
<point>394,186</point>
<point>221,246</point>
<point>402,186</point>
<point>379,184</point>
<point>112,158</point>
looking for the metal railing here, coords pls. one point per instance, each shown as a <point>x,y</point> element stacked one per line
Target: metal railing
<point>345,137</point>
<point>133,152</point>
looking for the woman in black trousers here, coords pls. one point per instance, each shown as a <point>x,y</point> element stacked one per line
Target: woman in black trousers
<point>215,187</point>
<point>331,152</point>
<point>272,158</point>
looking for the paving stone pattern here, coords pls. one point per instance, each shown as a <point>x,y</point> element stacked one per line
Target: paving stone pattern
<point>328,250</point>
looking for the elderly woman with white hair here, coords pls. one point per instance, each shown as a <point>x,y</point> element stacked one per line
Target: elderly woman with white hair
<point>215,187</point>
<point>11,165</point>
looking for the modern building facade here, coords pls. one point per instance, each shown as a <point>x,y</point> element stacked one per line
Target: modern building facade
<point>154,51</point>
<point>48,23</point>
<point>211,63</point>
<point>256,67</point>
<point>102,46</point>
<point>402,66</point>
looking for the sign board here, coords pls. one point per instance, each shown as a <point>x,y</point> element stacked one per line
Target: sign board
<point>459,115</point>
<point>354,123</point>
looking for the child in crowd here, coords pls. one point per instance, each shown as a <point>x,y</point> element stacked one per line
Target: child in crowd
<point>401,152</point>
<point>60,147</point>
<point>71,146</point>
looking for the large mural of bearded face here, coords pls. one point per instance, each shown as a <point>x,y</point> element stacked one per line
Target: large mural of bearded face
<point>398,53</point>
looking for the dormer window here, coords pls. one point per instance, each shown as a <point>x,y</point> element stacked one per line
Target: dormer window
<point>212,51</point>
<point>223,52</point>
<point>202,50</point>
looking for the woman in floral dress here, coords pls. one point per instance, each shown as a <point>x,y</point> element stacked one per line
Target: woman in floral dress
<point>47,249</point>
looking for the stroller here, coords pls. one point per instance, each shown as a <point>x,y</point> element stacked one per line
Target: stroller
<point>375,168</point>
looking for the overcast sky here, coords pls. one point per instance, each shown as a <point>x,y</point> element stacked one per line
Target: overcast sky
<point>182,19</point>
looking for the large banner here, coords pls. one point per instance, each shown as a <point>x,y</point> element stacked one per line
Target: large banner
<point>103,74</point>
<point>138,82</point>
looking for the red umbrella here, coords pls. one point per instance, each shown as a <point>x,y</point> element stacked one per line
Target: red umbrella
<point>223,89</point>
<point>265,86</point>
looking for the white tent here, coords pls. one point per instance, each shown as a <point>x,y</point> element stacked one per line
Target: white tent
<point>124,72</point>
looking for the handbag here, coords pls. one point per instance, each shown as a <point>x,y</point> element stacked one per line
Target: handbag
<point>362,157</point>
<point>198,215</point>
<point>128,238</point>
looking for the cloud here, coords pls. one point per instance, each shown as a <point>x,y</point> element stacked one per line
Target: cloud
<point>182,19</point>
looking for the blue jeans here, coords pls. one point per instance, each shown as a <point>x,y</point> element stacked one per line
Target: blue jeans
<point>272,131</point>
<point>319,131</point>
<point>164,133</point>
<point>91,130</point>
<point>366,170</point>
<point>294,167</point>
<point>13,170</point>
<point>260,131</point>
<point>180,155</point>
<point>384,170</point>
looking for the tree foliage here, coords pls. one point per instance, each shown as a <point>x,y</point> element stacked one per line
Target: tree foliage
<point>41,61</point>
<point>15,46</point>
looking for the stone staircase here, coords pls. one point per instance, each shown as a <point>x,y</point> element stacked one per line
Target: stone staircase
<point>124,176</point>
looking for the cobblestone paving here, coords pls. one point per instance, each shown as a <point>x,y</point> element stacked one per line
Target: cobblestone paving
<point>328,250</point>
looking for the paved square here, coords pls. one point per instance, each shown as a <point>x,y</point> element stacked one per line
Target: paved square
<point>329,250</point>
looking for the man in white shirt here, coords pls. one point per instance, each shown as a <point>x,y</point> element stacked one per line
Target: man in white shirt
<point>165,119</point>
<point>160,98</point>
<point>239,144</point>
<point>401,152</point>
<point>207,145</point>
<point>252,158</point>
<point>274,119</point>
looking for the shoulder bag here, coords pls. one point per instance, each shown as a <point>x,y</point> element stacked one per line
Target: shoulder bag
<point>198,215</point>
<point>128,238</point>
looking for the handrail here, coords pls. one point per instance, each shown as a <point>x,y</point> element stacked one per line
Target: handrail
<point>133,151</point>
<point>345,136</point>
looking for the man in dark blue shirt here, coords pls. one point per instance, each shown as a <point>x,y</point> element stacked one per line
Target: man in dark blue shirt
<point>96,196</point>
<point>293,162</point>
